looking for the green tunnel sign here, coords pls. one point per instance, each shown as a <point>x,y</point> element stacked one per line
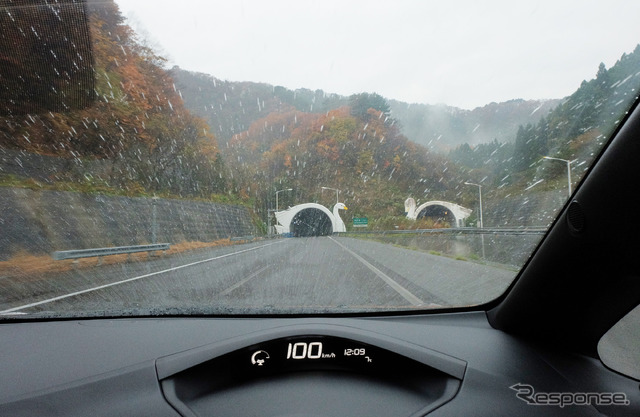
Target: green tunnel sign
<point>360,222</point>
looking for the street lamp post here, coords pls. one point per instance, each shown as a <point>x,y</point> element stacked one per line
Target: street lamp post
<point>336,190</point>
<point>481,220</point>
<point>568,169</point>
<point>279,191</point>
<point>269,211</point>
<point>480,192</point>
<point>154,220</point>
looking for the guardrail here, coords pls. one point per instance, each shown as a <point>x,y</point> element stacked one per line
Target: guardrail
<point>99,252</point>
<point>533,230</point>
<point>239,238</point>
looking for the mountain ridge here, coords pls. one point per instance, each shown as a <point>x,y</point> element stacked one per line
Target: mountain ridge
<point>232,106</point>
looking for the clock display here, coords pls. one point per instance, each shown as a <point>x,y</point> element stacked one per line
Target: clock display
<point>310,352</point>
<point>355,352</point>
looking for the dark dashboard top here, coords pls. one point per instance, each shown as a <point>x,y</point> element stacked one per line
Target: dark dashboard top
<point>79,365</point>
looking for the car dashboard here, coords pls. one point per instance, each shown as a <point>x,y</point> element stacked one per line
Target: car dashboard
<point>531,351</point>
<point>445,365</point>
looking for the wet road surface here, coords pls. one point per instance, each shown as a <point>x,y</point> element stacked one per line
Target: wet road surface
<point>317,274</point>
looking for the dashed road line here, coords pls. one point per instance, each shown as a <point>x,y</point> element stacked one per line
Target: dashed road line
<point>386,278</point>
<point>244,281</point>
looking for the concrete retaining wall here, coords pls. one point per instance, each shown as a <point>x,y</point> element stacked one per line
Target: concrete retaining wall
<point>40,222</point>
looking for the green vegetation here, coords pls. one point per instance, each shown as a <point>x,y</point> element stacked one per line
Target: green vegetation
<point>145,131</point>
<point>400,222</point>
<point>573,130</point>
<point>361,103</point>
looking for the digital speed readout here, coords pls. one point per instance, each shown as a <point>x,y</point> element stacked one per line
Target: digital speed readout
<point>313,352</point>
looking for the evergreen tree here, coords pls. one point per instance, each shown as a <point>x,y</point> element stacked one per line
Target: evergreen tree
<point>361,103</point>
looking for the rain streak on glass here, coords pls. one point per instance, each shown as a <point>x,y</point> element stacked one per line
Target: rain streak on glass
<point>138,180</point>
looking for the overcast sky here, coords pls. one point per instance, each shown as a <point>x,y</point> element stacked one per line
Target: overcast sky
<point>461,53</point>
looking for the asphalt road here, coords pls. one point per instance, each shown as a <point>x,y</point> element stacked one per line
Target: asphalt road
<point>318,274</point>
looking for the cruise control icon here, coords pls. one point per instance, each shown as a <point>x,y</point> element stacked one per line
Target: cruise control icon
<point>259,357</point>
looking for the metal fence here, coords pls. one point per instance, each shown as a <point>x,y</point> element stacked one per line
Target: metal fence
<point>119,250</point>
<point>538,230</point>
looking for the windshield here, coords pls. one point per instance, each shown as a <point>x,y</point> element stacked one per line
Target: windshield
<point>293,157</point>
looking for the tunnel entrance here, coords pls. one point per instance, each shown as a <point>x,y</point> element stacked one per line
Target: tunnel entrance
<point>438,214</point>
<point>311,222</point>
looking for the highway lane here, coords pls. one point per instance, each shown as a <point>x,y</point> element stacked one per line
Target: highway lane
<point>453,281</point>
<point>318,274</point>
<point>16,290</point>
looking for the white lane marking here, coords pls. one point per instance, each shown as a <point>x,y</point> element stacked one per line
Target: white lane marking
<point>73,294</point>
<point>386,278</point>
<point>247,279</point>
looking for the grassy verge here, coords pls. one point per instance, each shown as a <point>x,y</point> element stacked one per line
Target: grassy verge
<point>26,265</point>
<point>399,243</point>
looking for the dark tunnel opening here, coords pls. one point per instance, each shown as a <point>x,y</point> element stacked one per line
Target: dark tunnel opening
<point>438,214</point>
<point>311,222</point>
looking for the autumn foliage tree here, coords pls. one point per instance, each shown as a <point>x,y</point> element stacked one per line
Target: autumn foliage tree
<point>366,158</point>
<point>136,125</point>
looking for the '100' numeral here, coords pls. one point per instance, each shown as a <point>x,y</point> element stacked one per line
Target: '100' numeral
<point>303,350</point>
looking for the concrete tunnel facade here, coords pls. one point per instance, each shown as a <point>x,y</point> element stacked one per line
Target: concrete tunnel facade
<point>310,219</point>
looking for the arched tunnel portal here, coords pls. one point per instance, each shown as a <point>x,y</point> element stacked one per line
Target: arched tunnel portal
<point>438,213</point>
<point>311,222</point>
